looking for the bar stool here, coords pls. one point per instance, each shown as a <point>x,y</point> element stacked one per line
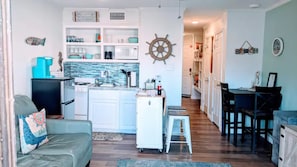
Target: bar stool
<point>176,113</point>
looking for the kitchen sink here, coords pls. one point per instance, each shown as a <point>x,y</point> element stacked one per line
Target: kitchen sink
<point>107,85</point>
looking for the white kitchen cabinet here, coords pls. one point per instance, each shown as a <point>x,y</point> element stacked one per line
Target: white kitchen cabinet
<point>149,124</point>
<point>83,39</point>
<point>104,110</point>
<point>288,148</point>
<point>112,110</point>
<point>127,112</point>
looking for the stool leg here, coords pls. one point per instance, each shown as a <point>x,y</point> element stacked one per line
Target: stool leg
<point>169,133</point>
<point>188,134</point>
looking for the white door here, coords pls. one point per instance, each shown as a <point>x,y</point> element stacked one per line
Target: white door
<point>216,78</point>
<point>188,57</point>
<point>206,93</point>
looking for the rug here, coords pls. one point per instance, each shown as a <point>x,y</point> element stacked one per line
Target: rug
<point>103,136</point>
<point>163,163</point>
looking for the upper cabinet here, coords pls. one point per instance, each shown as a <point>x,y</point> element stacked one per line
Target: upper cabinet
<point>107,39</point>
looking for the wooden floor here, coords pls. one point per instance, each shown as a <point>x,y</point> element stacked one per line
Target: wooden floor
<point>208,146</point>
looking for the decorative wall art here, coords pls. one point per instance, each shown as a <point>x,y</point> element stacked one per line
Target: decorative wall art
<point>85,16</point>
<point>160,48</point>
<point>34,41</point>
<point>271,82</point>
<point>246,47</point>
<point>277,46</point>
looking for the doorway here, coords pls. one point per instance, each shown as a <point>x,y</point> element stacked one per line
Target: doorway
<point>187,65</point>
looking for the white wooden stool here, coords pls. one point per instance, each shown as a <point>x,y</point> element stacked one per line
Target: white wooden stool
<point>178,113</point>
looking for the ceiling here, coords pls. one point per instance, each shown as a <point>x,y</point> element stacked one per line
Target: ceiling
<point>203,11</point>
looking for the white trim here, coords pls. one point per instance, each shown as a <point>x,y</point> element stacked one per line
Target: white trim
<point>8,118</point>
<point>278,4</point>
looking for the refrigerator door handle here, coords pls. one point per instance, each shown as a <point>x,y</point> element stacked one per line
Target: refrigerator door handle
<point>68,102</point>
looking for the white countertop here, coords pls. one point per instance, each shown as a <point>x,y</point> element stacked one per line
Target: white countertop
<point>93,87</point>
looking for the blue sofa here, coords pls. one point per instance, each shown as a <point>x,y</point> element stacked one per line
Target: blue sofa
<point>69,145</point>
<point>280,118</point>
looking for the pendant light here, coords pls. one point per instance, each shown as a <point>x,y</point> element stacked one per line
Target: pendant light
<point>179,16</point>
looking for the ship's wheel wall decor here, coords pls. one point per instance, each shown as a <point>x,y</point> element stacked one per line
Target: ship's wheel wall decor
<point>160,49</point>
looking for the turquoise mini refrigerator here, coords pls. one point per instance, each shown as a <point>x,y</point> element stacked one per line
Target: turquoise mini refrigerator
<point>41,67</point>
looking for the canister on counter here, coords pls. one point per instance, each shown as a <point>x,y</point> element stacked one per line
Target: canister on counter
<point>98,37</point>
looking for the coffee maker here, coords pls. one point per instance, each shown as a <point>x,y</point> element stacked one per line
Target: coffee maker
<point>130,78</point>
<point>41,67</point>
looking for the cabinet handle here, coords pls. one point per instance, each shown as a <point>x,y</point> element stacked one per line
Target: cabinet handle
<point>149,103</point>
<point>282,136</point>
<point>280,159</point>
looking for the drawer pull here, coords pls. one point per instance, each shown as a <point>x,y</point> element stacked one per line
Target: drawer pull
<point>282,136</point>
<point>280,159</point>
<point>149,103</point>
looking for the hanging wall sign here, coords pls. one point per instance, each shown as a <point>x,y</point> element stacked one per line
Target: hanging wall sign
<point>246,47</point>
<point>85,16</point>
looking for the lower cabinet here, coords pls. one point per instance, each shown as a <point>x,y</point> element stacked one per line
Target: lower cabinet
<point>112,110</point>
<point>127,112</point>
<point>288,149</point>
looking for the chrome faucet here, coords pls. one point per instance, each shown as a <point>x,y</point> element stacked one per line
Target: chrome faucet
<point>106,73</point>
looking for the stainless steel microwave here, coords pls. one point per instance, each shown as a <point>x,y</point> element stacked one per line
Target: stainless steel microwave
<point>126,52</point>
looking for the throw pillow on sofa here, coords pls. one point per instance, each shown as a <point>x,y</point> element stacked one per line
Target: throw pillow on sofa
<point>32,131</point>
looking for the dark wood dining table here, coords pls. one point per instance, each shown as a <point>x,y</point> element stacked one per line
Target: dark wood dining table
<point>244,98</point>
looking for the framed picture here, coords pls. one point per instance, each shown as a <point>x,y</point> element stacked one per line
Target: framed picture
<point>271,82</point>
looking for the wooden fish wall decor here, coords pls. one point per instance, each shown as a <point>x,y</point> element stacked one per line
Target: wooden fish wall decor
<point>35,41</point>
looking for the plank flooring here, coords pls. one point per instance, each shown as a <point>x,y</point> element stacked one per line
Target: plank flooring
<point>207,144</point>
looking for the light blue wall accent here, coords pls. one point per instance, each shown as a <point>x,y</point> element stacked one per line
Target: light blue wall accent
<point>281,22</point>
<point>93,70</point>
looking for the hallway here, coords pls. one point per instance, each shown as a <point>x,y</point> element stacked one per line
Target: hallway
<point>207,143</point>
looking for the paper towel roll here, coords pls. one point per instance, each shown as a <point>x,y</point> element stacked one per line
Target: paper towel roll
<point>133,79</point>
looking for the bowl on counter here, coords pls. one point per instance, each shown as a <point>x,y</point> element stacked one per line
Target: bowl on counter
<point>74,57</point>
<point>89,56</point>
<point>133,40</point>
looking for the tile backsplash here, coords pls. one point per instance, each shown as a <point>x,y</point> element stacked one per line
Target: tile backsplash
<point>94,69</point>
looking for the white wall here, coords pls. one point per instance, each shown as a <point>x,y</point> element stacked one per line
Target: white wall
<point>131,19</point>
<point>244,25</point>
<point>37,19</point>
<point>41,19</point>
<point>239,26</point>
<point>162,21</point>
